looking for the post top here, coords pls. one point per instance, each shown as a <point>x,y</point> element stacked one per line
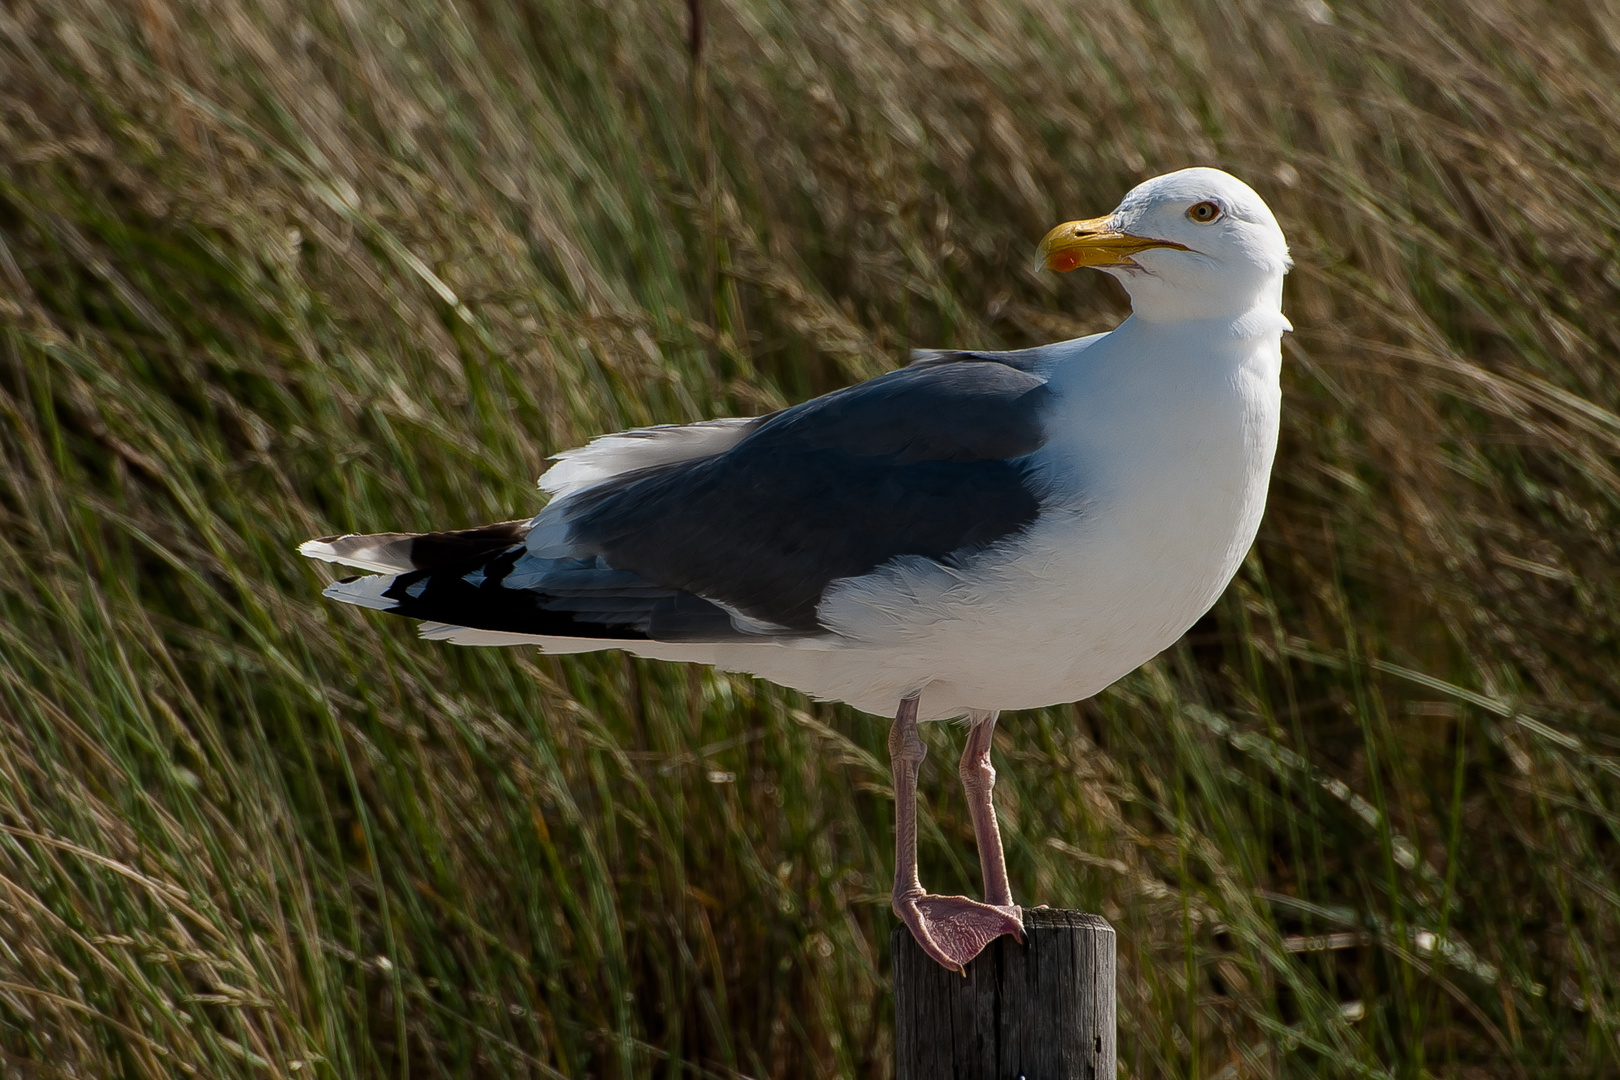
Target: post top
<point>1061,918</point>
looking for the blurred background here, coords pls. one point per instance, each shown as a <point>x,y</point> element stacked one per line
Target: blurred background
<point>272,270</point>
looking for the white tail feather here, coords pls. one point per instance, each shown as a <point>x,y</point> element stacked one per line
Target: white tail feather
<point>467,635</point>
<point>382,553</point>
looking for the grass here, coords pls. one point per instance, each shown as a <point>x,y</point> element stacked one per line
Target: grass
<point>274,270</point>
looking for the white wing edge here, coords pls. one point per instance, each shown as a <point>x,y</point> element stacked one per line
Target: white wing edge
<point>366,592</point>
<point>610,455</point>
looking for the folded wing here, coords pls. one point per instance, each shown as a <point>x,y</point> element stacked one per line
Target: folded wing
<point>736,531</point>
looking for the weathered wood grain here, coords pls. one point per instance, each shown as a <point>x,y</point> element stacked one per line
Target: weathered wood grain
<point>1043,1010</point>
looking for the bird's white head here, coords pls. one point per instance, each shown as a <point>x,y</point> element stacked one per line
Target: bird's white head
<point>1194,244</point>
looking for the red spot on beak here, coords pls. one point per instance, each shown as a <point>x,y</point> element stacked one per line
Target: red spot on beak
<point>1062,261</point>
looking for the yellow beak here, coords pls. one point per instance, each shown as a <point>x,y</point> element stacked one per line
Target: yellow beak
<point>1094,243</point>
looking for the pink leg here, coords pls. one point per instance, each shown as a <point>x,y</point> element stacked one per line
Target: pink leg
<point>951,929</point>
<point>979,781</point>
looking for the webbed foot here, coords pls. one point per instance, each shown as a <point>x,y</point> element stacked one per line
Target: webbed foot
<point>954,929</point>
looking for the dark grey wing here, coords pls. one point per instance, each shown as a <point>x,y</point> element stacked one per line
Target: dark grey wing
<point>1028,360</point>
<point>929,460</point>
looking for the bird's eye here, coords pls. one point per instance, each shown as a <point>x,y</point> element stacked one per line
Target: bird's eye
<point>1204,212</point>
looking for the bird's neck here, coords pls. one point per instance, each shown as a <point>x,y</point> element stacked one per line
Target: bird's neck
<point>1245,306</point>
<point>1255,325</point>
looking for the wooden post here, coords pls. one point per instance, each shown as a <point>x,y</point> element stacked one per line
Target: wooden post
<point>1043,1010</point>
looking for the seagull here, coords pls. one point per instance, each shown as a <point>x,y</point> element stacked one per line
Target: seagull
<point>975,532</point>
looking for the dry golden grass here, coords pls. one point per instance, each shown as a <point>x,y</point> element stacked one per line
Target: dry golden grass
<point>271,270</point>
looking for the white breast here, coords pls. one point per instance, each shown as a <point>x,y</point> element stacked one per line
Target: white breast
<point>1156,472</point>
<point>1170,462</point>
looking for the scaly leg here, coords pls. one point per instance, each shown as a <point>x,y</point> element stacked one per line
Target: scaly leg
<point>979,781</point>
<point>951,929</point>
